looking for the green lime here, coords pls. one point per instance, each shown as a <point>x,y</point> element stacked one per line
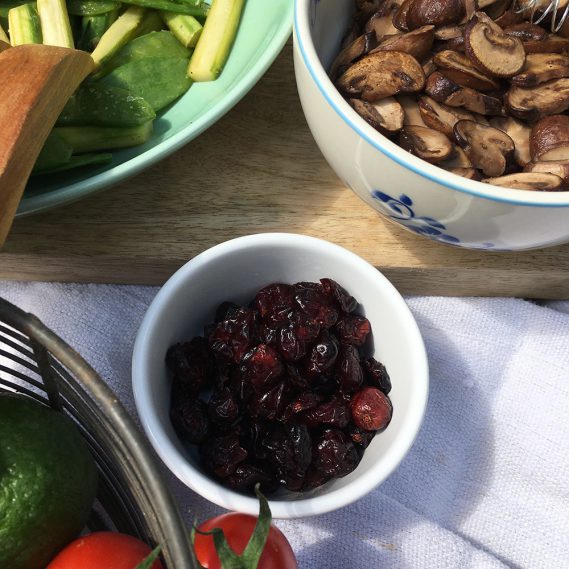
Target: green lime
<point>48,481</point>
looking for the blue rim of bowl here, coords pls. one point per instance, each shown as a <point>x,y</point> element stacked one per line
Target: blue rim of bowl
<point>390,149</point>
<point>98,182</point>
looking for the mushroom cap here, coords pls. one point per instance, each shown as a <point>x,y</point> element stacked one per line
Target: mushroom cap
<point>470,173</point>
<point>382,74</point>
<point>441,117</point>
<point>550,44</point>
<point>400,17</point>
<point>411,111</point>
<point>435,12</point>
<point>459,68</point>
<point>488,148</point>
<point>545,99</point>
<point>559,168</point>
<point>549,139</point>
<point>526,31</point>
<point>386,115</point>
<point>426,143</point>
<point>359,47</point>
<point>534,181</point>
<point>490,49</point>
<point>540,68</point>
<point>417,43</point>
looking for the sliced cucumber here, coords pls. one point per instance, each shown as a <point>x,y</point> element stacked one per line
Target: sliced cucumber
<point>217,37</point>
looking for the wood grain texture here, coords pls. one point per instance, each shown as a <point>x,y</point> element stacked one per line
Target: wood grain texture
<point>35,83</point>
<point>257,170</point>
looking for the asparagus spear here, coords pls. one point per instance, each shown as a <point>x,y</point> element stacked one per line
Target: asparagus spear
<point>185,28</point>
<point>212,49</point>
<point>119,34</point>
<point>55,26</point>
<point>3,36</point>
<point>24,24</point>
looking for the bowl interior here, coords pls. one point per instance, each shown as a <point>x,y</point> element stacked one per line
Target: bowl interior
<point>236,271</point>
<point>264,28</point>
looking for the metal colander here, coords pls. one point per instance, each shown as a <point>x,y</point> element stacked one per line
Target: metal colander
<point>133,497</point>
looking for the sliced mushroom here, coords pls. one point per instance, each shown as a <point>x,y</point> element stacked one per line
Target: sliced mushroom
<point>519,132</point>
<point>559,168</point>
<point>400,17</point>
<point>526,31</point>
<point>549,139</point>
<point>446,33</point>
<point>458,67</point>
<point>542,67</point>
<point>358,48</point>
<point>550,44</point>
<point>382,74</point>
<point>507,17</point>
<point>411,112</point>
<point>488,148</point>
<point>435,12</point>
<point>417,43</point>
<point>381,23</point>
<point>546,99</point>
<point>426,143</point>
<point>457,159</point>
<point>540,182</point>
<point>386,115</point>
<point>443,90</point>
<point>440,117</point>
<point>490,49</point>
<point>429,67</point>
<point>470,173</point>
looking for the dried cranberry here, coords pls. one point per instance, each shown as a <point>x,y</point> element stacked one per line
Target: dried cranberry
<point>376,375</point>
<point>274,302</point>
<point>334,454</point>
<point>305,401</point>
<point>371,409</point>
<point>233,337</point>
<point>323,355</point>
<point>316,305</point>
<point>306,329</point>
<point>261,367</point>
<point>192,364</point>
<point>189,418</point>
<point>313,479</point>
<point>348,370</point>
<point>288,449</point>
<point>359,436</point>
<point>221,455</point>
<point>246,476</point>
<point>352,329</point>
<point>270,404</point>
<point>223,409</point>
<point>268,333</point>
<point>334,413</point>
<point>295,378</point>
<point>225,311</point>
<point>290,347</point>
<point>347,302</point>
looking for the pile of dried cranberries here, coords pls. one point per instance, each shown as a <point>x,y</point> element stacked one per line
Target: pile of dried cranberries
<point>278,392</point>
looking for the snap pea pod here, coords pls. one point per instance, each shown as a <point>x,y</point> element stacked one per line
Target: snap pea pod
<point>91,7</point>
<point>84,139</point>
<point>54,153</point>
<point>104,105</point>
<point>93,28</point>
<point>199,11</point>
<point>24,24</point>
<point>152,22</point>
<point>78,162</point>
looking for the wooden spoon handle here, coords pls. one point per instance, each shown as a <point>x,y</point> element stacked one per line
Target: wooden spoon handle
<point>35,83</point>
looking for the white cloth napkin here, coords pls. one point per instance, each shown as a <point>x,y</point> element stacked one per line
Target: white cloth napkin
<point>486,484</point>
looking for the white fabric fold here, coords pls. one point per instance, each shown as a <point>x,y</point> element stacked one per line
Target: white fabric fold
<point>486,484</point>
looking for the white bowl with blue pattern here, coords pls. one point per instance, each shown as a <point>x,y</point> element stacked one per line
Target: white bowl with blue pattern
<point>417,195</point>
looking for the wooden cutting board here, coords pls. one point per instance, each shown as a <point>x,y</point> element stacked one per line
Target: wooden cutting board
<point>258,169</point>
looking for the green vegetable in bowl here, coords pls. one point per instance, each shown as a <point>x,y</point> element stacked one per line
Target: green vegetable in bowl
<point>147,54</point>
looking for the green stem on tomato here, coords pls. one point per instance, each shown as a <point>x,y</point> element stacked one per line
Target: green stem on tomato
<point>147,563</point>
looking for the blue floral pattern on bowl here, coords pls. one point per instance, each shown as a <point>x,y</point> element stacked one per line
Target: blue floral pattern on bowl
<point>401,210</point>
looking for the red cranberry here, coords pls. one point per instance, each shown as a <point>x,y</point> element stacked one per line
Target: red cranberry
<point>371,409</point>
<point>352,329</point>
<point>323,354</point>
<point>347,302</point>
<point>231,338</point>
<point>334,454</point>
<point>334,413</point>
<point>348,370</point>
<point>376,375</point>
<point>274,302</point>
<point>261,367</point>
<point>316,305</point>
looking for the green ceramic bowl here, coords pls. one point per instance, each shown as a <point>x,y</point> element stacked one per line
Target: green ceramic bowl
<point>264,29</point>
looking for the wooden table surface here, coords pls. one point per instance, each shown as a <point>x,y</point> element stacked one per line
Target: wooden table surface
<point>256,170</point>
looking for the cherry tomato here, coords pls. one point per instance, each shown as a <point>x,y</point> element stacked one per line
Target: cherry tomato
<point>238,528</point>
<point>104,549</point>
